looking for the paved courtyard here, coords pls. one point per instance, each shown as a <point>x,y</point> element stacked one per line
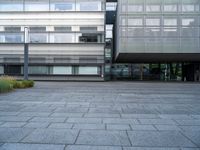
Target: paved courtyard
<point>101,116</point>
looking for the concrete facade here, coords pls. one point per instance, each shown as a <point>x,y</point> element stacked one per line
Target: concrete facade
<point>66,37</point>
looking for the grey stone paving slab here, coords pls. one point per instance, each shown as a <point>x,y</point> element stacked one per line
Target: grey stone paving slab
<point>61,125</point>
<point>102,115</point>
<point>66,115</point>
<point>159,139</point>
<point>13,134</point>
<point>190,128</point>
<point>82,147</point>
<point>37,109</point>
<point>14,118</point>
<point>14,146</point>
<point>4,113</point>
<point>174,116</point>
<point>148,148</point>
<point>105,110</point>
<point>120,121</point>
<point>143,106</point>
<point>104,138</point>
<point>143,127</point>
<point>157,121</point>
<point>118,127</point>
<point>188,122</point>
<point>194,136</point>
<point>190,148</point>
<point>196,116</point>
<point>35,114</point>
<point>53,136</point>
<point>36,125</point>
<point>13,124</point>
<point>140,116</point>
<point>167,127</point>
<point>89,126</point>
<point>72,110</point>
<point>84,120</point>
<point>48,119</point>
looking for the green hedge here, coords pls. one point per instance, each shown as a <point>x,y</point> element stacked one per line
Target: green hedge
<point>8,84</point>
<point>5,86</point>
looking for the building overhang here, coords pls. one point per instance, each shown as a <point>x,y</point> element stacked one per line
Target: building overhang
<point>157,57</point>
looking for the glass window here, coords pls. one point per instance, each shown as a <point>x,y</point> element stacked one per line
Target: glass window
<point>135,8</point>
<point>189,32</point>
<point>170,32</point>
<point>153,22</point>
<point>38,38</point>
<point>13,38</point>
<point>88,38</point>
<point>188,8</point>
<point>85,5</point>
<point>37,5</point>
<point>111,6</point>
<point>135,22</point>
<point>38,70</point>
<point>12,69</point>
<point>153,32</point>
<point>64,37</point>
<point>170,8</point>
<point>62,70</point>
<point>62,5</point>
<point>11,5</point>
<point>88,71</point>
<point>1,70</point>
<point>170,22</point>
<point>135,31</point>
<point>153,8</point>
<point>2,38</point>
<point>122,20</point>
<point>188,22</point>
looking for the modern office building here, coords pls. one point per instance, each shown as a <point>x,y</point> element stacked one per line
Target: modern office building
<point>66,38</point>
<point>162,35</point>
<point>102,39</point>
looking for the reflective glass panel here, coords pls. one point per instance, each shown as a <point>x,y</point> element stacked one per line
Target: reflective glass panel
<point>88,71</point>
<point>153,8</point>
<point>135,8</point>
<point>11,5</point>
<point>62,70</point>
<point>64,37</point>
<point>153,22</point>
<point>37,5</point>
<point>170,8</point>
<point>170,22</point>
<point>135,21</point>
<point>89,5</point>
<point>38,38</point>
<point>62,5</point>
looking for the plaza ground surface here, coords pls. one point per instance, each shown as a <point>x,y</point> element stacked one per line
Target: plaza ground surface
<point>101,116</point>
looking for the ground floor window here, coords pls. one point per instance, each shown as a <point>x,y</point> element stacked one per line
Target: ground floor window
<point>153,71</point>
<point>51,70</point>
<point>88,70</point>
<point>62,70</point>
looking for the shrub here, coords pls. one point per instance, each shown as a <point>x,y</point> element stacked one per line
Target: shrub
<point>28,83</point>
<point>8,83</point>
<point>19,85</point>
<point>5,86</point>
